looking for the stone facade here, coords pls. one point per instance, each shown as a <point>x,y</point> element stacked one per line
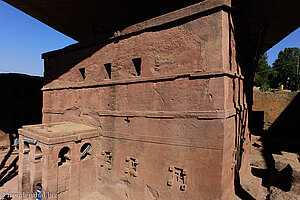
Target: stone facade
<point>168,104</point>
<point>60,157</point>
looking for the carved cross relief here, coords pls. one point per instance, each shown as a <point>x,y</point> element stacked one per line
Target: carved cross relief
<point>177,178</point>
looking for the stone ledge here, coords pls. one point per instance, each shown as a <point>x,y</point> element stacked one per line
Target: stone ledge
<point>220,114</point>
<point>108,82</point>
<point>55,133</point>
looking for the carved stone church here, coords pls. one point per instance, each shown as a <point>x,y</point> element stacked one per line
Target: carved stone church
<point>155,109</point>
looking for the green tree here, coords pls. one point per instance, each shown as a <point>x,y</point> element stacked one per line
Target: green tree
<point>285,67</point>
<point>263,73</point>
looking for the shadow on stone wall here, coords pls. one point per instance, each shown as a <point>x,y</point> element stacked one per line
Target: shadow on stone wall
<point>240,42</point>
<point>85,49</point>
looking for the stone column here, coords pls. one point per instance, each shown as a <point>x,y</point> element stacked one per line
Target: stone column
<point>24,167</point>
<point>35,168</point>
<point>50,166</point>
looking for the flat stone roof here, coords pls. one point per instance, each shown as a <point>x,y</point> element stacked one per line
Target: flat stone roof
<point>54,133</point>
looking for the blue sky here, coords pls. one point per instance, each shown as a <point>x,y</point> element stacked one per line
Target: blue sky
<point>292,40</point>
<point>23,39</point>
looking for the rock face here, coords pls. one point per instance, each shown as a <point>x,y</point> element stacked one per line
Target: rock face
<point>4,140</point>
<point>20,102</point>
<point>271,104</point>
<point>169,105</point>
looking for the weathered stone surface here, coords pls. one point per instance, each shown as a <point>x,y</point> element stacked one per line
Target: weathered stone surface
<point>154,162</point>
<point>181,49</point>
<point>60,163</point>
<point>165,113</point>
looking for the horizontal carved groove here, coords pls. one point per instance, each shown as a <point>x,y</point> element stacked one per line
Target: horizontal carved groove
<point>166,141</point>
<point>221,114</point>
<point>79,85</point>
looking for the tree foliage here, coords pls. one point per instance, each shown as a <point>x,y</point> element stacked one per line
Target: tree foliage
<point>282,72</point>
<point>285,66</point>
<point>263,73</point>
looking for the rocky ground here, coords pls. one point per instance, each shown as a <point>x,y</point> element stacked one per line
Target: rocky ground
<point>282,183</point>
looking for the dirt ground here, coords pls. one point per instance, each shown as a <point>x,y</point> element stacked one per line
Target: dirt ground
<point>280,183</point>
<point>8,172</point>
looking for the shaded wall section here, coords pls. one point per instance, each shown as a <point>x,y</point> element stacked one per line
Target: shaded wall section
<point>268,106</point>
<point>20,102</point>
<point>276,116</point>
<point>278,120</point>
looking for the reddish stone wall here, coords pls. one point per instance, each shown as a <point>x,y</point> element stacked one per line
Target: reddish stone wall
<point>183,112</point>
<point>180,49</point>
<point>43,160</point>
